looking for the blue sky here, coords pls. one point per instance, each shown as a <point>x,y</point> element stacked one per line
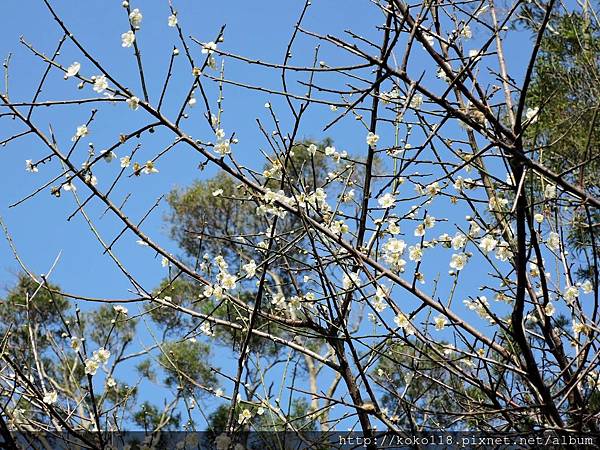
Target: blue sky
<point>99,25</point>
<point>39,226</point>
<point>259,30</point>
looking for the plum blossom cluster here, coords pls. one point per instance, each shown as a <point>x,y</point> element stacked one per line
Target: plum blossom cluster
<point>99,357</point>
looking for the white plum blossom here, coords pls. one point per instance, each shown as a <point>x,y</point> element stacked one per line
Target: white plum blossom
<point>172,20</point>
<point>441,74</point>
<point>50,397</point>
<point>310,297</point>
<point>429,221</point>
<point>503,252</point>
<point>100,83</point>
<point>440,322</point>
<point>337,156</point>
<point>415,253</point>
<point>416,101</point>
<point>403,323</point>
<point>209,48</point>
<point>350,280</point>
<point>387,200</point>
<point>271,198</point>
<point>278,301</point>
<point>223,147</point>
<point>534,270</point>
<point>571,293</point>
<point>75,343</point>
<point>228,281</point>
<point>120,309</point>
<point>82,131</point>
<point>101,355</point>
<point>458,261</point>
<point>553,241</point>
<point>274,171</point>
<point>444,240</point>
<point>539,218</point>
<point>502,297</point>
<point>587,287</point>
<point>72,70</point>
<point>474,229</point>
<point>432,189</point>
<point>393,227</point>
<point>420,230</point>
<point>135,17</point>
<point>133,103</point>
<point>208,291</point>
<point>339,227</point>
<point>348,196</point>
<point>149,168</point>
<point>206,329</point>
<point>458,241</point>
<point>250,269</point>
<point>125,161</point>
<point>549,309</point>
<point>480,306</point>
<point>127,39</point>
<point>466,32</point>
<point>312,149</point>
<point>91,179</point>
<point>372,139</point>
<point>497,203</point>
<point>401,320</point>
<point>392,253</point>
<point>459,184</point>
<point>69,187</point>
<point>379,303</point>
<point>394,246</point>
<point>91,366</point>
<point>30,167</point>
<point>488,243</point>
<point>295,303</point>
<point>244,416</point>
<point>578,328</point>
<point>400,265</point>
<point>550,192</point>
